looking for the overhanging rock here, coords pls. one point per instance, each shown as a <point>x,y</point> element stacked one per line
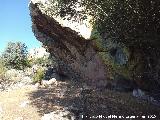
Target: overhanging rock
<point>76,55</point>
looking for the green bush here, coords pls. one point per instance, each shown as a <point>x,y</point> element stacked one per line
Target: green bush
<point>15,55</point>
<point>39,75</point>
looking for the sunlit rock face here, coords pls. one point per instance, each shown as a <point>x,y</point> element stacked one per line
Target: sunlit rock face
<point>76,56</point>
<point>37,53</point>
<point>82,27</point>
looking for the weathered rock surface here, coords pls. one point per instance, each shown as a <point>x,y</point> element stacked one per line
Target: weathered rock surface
<point>76,56</point>
<point>80,58</point>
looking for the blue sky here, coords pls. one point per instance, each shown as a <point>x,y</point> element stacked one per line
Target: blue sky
<point>15,24</point>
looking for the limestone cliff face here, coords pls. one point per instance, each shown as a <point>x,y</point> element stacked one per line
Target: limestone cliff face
<point>76,56</point>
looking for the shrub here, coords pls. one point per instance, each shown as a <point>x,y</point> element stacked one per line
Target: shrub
<point>15,55</point>
<point>14,75</point>
<point>39,75</point>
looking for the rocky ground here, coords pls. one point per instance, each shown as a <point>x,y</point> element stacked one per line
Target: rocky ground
<point>69,101</point>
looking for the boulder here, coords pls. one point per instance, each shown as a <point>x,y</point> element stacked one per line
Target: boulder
<point>49,82</point>
<point>37,85</point>
<point>75,55</point>
<point>26,80</point>
<point>138,93</point>
<point>79,58</point>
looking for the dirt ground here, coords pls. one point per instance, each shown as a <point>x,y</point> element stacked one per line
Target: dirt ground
<point>15,105</point>
<point>31,103</point>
